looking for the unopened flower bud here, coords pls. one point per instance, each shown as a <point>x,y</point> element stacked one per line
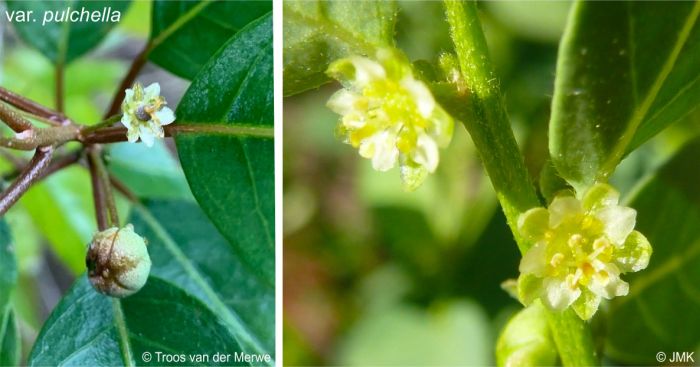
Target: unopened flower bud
<point>118,262</point>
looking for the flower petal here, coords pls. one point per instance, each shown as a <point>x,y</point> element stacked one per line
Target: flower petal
<point>342,102</point>
<point>152,91</point>
<point>132,135</point>
<point>535,260</point>
<point>127,121</point>
<point>381,147</point>
<point>146,135</point>
<point>634,254</point>
<point>530,288</point>
<point>366,71</point>
<point>165,116</point>
<point>558,295</point>
<point>586,305</point>
<point>599,196</point>
<point>129,95</point>
<point>618,221</point>
<point>561,208</point>
<point>534,223</point>
<point>412,175</point>
<point>421,96</point>
<point>606,282</point>
<point>441,128</point>
<point>426,153</point>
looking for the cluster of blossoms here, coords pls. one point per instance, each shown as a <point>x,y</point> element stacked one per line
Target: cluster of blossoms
<point>389,115</point>
<point>580,249</point>
<point>145,113</point>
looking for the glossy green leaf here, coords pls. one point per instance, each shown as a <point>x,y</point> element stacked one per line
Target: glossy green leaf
<point>185,34</point>
<point>64,41</point>
<point>187,250</point>
<point>318,32</point>
<point>10,339</point>
<point>104,331</point>
<point>149,172</point>
<point>231,170</point>
<point>626,70</point>
<point>8,266</point>
<point>660,312</point>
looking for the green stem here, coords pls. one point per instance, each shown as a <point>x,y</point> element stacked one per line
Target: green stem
<point>482,111</point>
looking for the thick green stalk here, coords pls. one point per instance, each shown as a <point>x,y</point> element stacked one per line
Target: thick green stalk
<point>483,113</point>
<point>481,110</point>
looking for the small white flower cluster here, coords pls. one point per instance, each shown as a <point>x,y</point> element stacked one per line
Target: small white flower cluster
<point>389,115</point>
<point>145,113</point>
<point>581,247</point>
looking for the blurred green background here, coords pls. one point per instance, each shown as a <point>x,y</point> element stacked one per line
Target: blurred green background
<point>54,221</point>
<point>376,276</point>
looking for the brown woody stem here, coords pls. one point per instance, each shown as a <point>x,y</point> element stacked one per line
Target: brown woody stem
<point>105,207</point>
<point>98,192</point>
<point>26,104</point>
<point>14,120</point>
<point>33,172</point>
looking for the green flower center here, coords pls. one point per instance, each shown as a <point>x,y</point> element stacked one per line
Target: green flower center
<point>573,247</point>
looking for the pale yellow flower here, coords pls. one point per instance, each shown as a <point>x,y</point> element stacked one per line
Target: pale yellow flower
<point>389,115</point>
<point>145,113</point>
<point>581,247</point>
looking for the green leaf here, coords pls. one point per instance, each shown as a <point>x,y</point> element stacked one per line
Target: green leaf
<point>188,250</point>
<point>106,331</point>
<point>660,312</point>
<point>231,174</point>
<point>63,42</point>
<point>626,70</point>
<point>10,339</point>
<point>149,172</point>
<point>8,266</point>
<point>318,32</point>
<point>185,34</point>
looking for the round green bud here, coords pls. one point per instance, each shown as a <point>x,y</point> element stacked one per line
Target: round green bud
<point>117,261</point>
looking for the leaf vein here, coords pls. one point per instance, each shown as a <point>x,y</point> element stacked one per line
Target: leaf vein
<point>638,116</point>
<point>238,328</point>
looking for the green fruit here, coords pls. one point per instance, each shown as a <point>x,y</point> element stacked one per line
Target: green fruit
<point>118,262</point>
